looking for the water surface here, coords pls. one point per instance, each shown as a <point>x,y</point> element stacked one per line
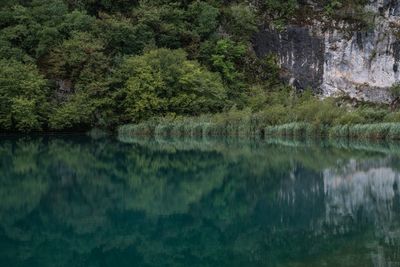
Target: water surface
<point>77,201</point>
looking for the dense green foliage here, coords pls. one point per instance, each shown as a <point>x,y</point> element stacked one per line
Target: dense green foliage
<point>22,96</point>
<point>162,81</point>
<point>77,64</point>
<point>283,113</point>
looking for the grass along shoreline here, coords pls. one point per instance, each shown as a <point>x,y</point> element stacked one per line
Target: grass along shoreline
<point>284,115</point>
<point>390,131</point>
<point>190,127</point>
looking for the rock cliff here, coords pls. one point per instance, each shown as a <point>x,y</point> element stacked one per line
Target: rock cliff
<point>335,59</point>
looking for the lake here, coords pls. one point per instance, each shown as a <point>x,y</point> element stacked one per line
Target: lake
<point>79,201</point>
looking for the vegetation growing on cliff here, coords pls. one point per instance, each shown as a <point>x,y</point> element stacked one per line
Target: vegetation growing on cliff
<point>77,64</point>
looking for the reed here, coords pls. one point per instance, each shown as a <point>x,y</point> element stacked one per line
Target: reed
<point>245,124</point>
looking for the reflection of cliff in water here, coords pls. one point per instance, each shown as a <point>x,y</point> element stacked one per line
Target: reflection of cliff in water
<point>367,192</point>
<point>197,203</point>
<point>353,197</point>
<point>369,189</point>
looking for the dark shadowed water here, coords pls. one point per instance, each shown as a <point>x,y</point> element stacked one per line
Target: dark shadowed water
<point>76,201</point>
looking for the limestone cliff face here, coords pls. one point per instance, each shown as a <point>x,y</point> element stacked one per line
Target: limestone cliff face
<point>335,60</point>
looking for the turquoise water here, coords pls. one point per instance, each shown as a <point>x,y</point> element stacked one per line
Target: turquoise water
<point>77,201</point>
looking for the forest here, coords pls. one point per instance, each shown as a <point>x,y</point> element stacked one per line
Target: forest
<point>73,65</point>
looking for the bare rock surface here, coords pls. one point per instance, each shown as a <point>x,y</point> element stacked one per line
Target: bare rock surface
<point>336,61</point>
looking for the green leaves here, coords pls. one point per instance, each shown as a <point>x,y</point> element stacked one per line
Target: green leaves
<point>77,111</point>
<point>108,61</point>
<point>204,18</point>
<point>225,55</point>
<point>22,97</point>
<point>241,21</point>
<point>123,36</point>
<point>280,11</point>
<point>41,25</point>
<point>163,81</point>
<point>395,90</point>
<point>24,114</point>
<point>80,61</point>
<point>70,58</point>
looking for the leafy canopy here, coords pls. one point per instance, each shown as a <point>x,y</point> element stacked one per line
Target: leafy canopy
<point>164,81</point>
<point>22,97</point>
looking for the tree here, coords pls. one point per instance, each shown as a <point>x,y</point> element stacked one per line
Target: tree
<point>4,3</point>
<point>163,81</point>
<point>241,21</point>
<point>41,25</point>
<point>81,61</point>
<point>280,10</point>
<point>225,56</point>
<point>123,36</point>
<point>93,54</point>
<point>77,111</point>
<point>96,6</point>
<point>204,18</point>
<point>22,97</point>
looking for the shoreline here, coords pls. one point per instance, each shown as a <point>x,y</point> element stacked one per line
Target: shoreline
<point>373,131</point>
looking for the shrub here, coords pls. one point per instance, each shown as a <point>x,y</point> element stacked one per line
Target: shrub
<point>392,117</point>
<point>280,11</point>
<point>372,115</point>
<point>320,112</point>
<point>241,21</point>
<point>164,81</point>
<point>395,90</point>
<point>349,118</point>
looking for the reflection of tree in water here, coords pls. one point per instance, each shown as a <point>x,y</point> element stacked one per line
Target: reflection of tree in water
<point>78,186</point>
<point>77,201</point>
<point>21,184</point>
